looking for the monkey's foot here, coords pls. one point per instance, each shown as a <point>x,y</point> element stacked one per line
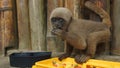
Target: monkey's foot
<point>63,56</point>
<point>81,58</point>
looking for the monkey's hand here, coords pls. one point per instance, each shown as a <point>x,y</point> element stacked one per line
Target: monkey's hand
<point>57,32</point>
<point>82,58</point>
<point>63,56</point>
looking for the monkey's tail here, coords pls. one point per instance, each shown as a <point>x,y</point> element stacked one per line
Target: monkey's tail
<point>100,11</point>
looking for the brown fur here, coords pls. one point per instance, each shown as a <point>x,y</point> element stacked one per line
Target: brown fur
<point>82,36</point>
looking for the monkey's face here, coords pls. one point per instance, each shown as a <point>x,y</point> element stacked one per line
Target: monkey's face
<point>60,18</point>
<point>58,23</point>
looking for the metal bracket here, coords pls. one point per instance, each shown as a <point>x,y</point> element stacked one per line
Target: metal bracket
<point>5,9</point>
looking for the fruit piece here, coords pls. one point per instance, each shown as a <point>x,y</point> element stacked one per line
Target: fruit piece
<point>55,64</point>
<point>77,66</point>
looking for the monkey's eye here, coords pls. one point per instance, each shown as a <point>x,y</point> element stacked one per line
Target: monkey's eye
<point>57,19</point>
<point>61,20</point>
<point>53,20</point>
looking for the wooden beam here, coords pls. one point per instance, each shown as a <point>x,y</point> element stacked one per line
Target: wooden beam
<point>37,24</point>
<point>70,5</point>
<point>23,24</point>
<point>115,49</point>
<point>7,24</point>
<point>76,8</point>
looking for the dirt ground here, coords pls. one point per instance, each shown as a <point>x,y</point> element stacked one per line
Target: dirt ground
<point>4,62</point>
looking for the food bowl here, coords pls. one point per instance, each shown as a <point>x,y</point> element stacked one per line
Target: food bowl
<point>27,59</point>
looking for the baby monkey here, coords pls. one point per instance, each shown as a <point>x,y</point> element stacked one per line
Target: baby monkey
<point>82,36</point>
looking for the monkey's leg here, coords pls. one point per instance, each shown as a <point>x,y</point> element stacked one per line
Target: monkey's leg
<point>94,39</point>
<point>68,52</point>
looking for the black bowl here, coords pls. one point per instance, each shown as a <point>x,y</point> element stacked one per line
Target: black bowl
<point>27,59</point>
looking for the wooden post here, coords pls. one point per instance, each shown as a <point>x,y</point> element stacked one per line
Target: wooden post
<point>61,3</point>
<point>23,24</point>
<point>76,8</point>
<point>70,5</point>
<point>0,29</point>
<point>7,24</point>
<point>37,24</point>
<point>115,49</point>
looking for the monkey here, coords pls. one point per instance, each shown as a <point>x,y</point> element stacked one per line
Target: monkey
<point>81,35</point>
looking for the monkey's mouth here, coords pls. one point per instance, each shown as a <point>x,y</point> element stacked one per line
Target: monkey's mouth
<point>57,27</point>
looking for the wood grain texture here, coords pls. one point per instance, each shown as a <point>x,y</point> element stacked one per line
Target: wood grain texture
<point>61,3</point>
<point>23,24</point>
<point>37,25</point>
<point>116,28</point>
<point>76,8</point>
<point>7,24</point>
<point>70,5</point>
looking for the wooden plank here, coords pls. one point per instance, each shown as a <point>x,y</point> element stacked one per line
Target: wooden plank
<point>70,5</point>
<point>61,3</point>
<point>0,32</point>
<point>0,29</point>
<point>81,8</point>
<point>115,49</point>
<point>23,24</point>
<point>37,24</point>
<point>76,8</point>
<point>7,24</point>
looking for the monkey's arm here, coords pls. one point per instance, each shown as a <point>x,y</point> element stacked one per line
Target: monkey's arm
<point>72,38</point>
<point>67,53</point>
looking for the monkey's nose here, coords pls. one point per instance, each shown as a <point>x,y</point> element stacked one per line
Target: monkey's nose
<point>59,26</point>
